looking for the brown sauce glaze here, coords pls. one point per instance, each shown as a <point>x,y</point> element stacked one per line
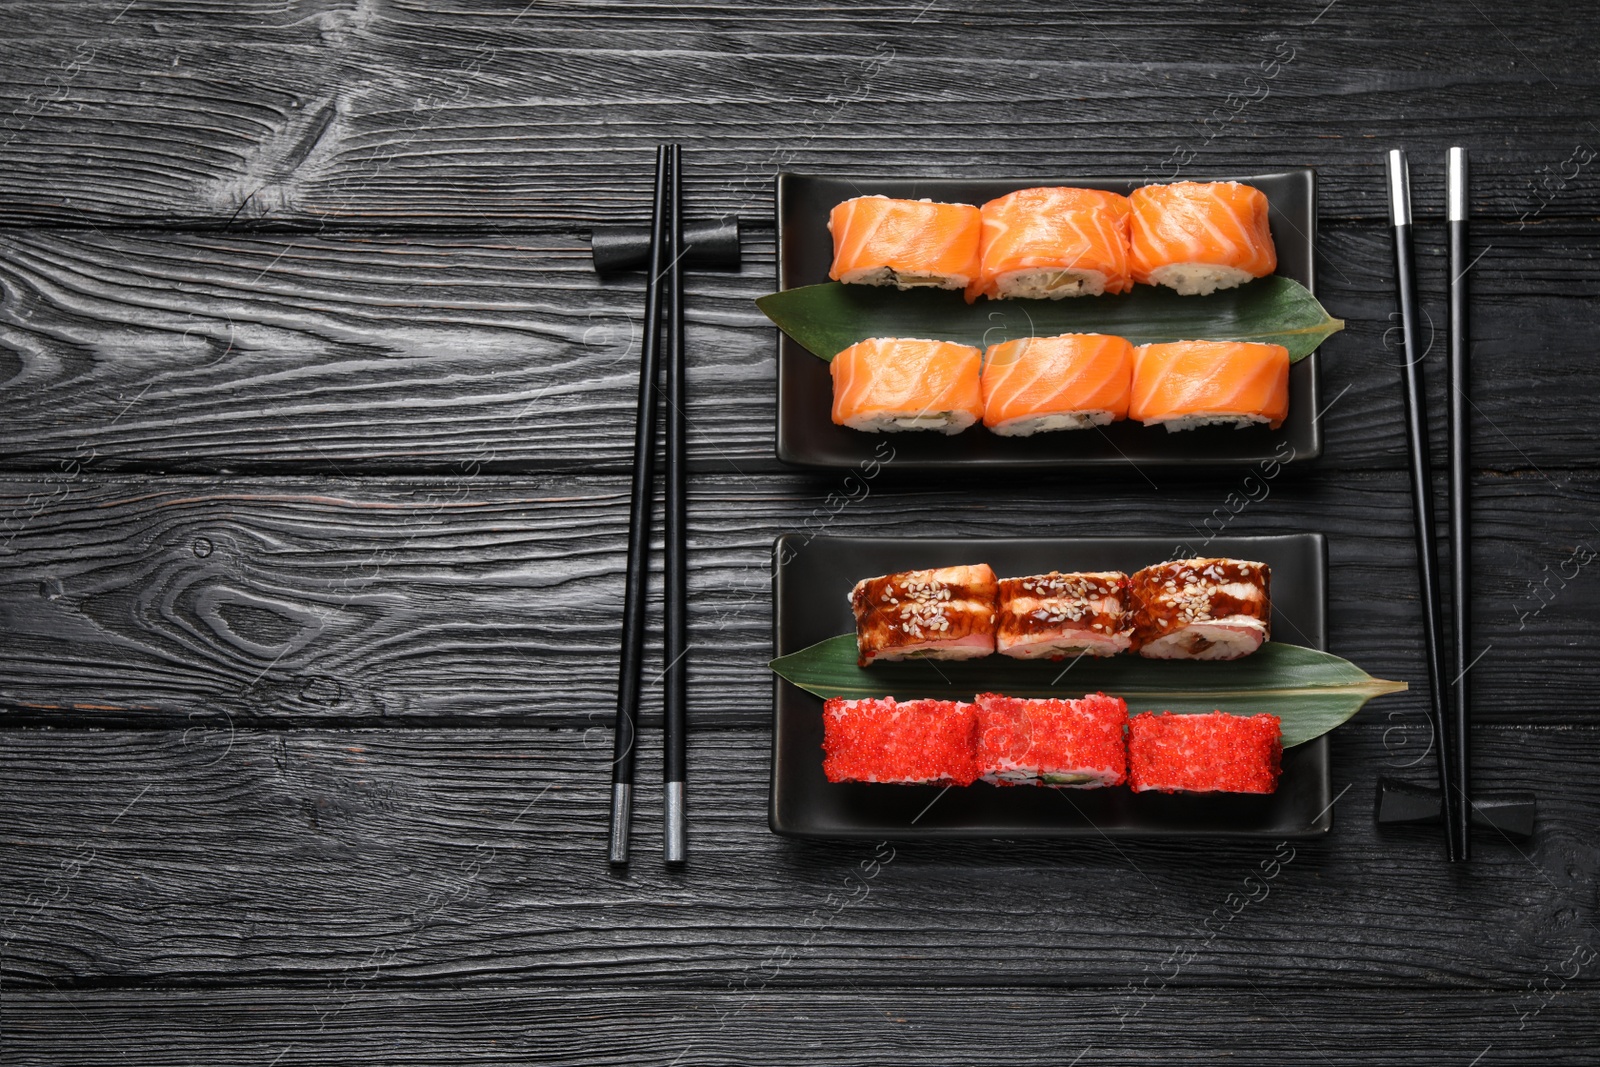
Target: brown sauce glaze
<point>1051,603</point>
<point>1170,597</point>
<point>923,609</point>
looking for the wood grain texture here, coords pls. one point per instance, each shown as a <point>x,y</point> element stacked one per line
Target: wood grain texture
<point>495,599</point>
<point>317,114</point>
<point>355,354</point>
<point>351,860</point>
<point>313,428</point>
<point>555,1025</point>
<point>452,355</point>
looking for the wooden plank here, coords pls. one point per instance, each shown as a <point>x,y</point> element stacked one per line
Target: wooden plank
<point>497,600</point>
<point>352,860</point>
<point>387,354</point>
<point>356,354</point>
<point>558,1025</point>
<point>387,112</point>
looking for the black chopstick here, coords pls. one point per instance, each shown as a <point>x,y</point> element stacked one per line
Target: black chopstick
<point>1460,492</point>
<point>675,642</point>
<point>633,604</point>
<point>1416,416</point>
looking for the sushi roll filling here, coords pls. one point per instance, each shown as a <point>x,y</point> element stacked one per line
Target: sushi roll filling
<point>904,279</point>
<point>1199,279</point>
<point>1049,283</point>
<point>1195,420</point>
<point>948,421</point>
<point>1066,420</point>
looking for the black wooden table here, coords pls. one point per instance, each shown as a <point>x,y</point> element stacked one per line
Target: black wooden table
<point>315,432</point>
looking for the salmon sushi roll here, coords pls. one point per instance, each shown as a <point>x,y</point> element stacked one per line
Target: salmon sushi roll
<point>1212,609</point>
<point>942,613</point>
<point>1198,237</point>
<point>1055,615</point>
<point>888,384</point>
<point>1054,243</point>
<point>1072,743</point>
<point>910,244</point>
<point>1069,382</point>
<point>1211,753</point>
<point>902,742</point>
<point>1187,384</point>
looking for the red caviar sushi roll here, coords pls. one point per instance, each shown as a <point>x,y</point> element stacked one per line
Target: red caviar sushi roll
<point>1211,753</point>
<point>943,613</point>
<point>1214,609</point>
<point>1074,743</point>
<point>910,244</point>
<point>1198,237</point>
<point>904,742</point>
<point>1057,615</point>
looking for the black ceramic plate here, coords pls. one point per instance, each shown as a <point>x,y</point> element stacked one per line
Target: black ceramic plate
<point>811,584</point>
<point>807,435</point>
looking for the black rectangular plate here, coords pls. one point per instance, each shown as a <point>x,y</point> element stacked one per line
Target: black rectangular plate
<point>811,585</point>
<point>806,433</point>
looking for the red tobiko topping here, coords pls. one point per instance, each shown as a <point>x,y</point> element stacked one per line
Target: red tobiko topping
<point>899,741</point>
<point>953,743</point>
<point>1211,753</point>
<point>1068,735</point>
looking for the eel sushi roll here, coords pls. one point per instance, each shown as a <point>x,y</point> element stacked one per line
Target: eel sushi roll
<point>1069,382</point>
<point>1055,615</point>
<point>1187,384</point>
<point>904,742</point>
<point>1047,244</point>
<point>910,244</point>
<point>1074,743</point>
<point>1211,753</point>
<point>944,613</point>
<point>889,384</point>
<point>1198,237</point>
<point>1215,609</point>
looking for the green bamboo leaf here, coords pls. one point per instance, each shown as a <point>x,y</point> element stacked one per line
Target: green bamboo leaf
<point>1311,691</point>
<point>826,319</point>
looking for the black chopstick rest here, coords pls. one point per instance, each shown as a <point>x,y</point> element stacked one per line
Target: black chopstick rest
<point>1460,494</point>
<point>630,660</point>
<point>1400,804</point>
<point>1416,419</point>
<point>710,244</point>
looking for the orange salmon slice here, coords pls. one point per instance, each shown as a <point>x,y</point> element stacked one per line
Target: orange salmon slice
<point>1052,243</point>
<point>1191,382</point>
<point>1069,381</point>
<point>1192,233</point>
<point>885,384</point>
<point>906,243</point>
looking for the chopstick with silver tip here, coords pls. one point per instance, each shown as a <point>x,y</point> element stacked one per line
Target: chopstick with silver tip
<point>1460,494</point>
<point>1416,416</point>
<point>633,603</point>
<point>675,638</point>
